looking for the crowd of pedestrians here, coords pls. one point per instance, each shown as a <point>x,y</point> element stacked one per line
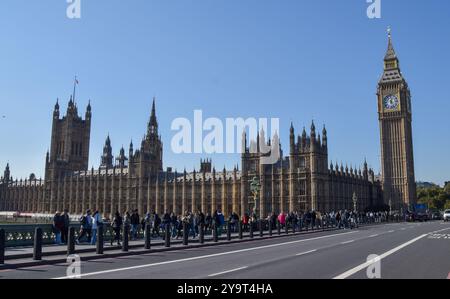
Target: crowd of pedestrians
<point>193,222</point>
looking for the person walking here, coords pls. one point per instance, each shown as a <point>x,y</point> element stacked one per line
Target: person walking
<point>58,225</point>
<point>156,224</point>
<point>134,224</point>
<point>65,229</point>
<point>116,226</point>
<point>86,227</point>
<point>282,219</point>
<point>97,221</point>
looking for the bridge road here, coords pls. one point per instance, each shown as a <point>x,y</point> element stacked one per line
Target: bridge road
<point>408,250</point>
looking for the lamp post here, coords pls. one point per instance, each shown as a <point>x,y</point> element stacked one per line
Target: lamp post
<point>255,187</point>
<point>355,202</point>
<point>390,208</point>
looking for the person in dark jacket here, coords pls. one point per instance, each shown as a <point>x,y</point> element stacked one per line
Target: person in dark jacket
<point>65,228</point>
<point>135,221</point>
<point>58,224</point>
<point>156,224</point>
<point>116,226</point>
<point>166,222</point>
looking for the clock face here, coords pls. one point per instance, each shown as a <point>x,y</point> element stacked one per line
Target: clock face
<point>390,102</point>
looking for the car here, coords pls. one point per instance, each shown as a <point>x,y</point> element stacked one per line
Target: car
<point>436,216</point>
<point>446,215</point>
<point>421,216</point>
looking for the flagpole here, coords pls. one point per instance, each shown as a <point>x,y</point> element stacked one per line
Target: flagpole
<point>74,88</point>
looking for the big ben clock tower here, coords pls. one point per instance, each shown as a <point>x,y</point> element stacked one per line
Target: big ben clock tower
<point>394,113</point>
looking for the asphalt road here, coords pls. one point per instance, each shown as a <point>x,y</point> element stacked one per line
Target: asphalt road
<point>405,250</point>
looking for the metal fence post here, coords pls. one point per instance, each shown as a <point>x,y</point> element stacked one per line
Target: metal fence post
<point>37,246</point>
<point>71,241</point>
<point>278,227</point>
<point>240,229</point>
<point>2,246</point>
<point>167,235</point>
<point>228,231</point>
<point>215,233</point>
<point>99,244</point>
<point>126,232</point>
<point>148,237</point>
<point>270,227</point>
<point>261,228</point>
<point>201,236</point>
<point>185,234</point>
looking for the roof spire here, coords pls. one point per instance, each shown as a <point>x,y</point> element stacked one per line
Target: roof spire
<point>390,53</point>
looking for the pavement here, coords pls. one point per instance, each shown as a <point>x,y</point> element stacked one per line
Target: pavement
<point>403,250</point>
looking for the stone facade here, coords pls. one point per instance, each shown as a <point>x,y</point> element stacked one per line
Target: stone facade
<point>300,181</point>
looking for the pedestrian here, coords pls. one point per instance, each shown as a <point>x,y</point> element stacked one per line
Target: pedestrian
<point>174,223</point>
<point>66,223</point>
<point>282,219</point>
<point>156,224</point>
<point>135,221</point>
<point>166,222</point>
<point>201,221</point>
<point>208,222</point>
<point>97,221</point>
<point>86,227</point>
<point>58,225</point>
<point>116,226</point>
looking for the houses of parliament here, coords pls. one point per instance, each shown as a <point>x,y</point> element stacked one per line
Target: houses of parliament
<point>304,180</point>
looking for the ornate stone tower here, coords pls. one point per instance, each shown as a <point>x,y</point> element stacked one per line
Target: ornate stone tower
<point>107,157</point>
<point>69,150</point>
<point>394,113</point>
<point>147,161</point>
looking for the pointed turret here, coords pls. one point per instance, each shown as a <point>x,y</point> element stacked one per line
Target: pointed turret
<point>88,111</point>
<point>313,131</point>
<point>153,123</point>
<point>292,139</point>
<point>324,137</point>
<point>392,71</point>
<point>107,157</point>
<point>56,110</point>
<point>6,174</point>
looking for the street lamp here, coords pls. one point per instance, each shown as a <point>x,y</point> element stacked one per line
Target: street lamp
<point>255,187</point>
<point>355,201</point>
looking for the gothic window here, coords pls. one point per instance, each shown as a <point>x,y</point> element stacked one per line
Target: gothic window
<point>302,162</point>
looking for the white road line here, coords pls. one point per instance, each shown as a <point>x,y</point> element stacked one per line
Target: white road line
<point>403,229</point>
<point>437,231</point>
<point>307,252</point>
<point>204,256</point>
<point>225,272</point>
<point>347,242</point>
<point>391,231</point>
<point>386,254</point>
<point>373,236</point>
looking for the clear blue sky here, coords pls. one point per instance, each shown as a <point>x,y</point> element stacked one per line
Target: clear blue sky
<point>293,59</point>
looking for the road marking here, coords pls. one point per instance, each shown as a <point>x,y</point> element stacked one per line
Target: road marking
<point>441,230</point>
<point>373,236</point>
<point>403,229</point>
<point>386,254</point>
<point>307,252</point>
<point>347,242</point>
<point>205,256</point>
<point>391,231</point>
<point>225,272</point>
